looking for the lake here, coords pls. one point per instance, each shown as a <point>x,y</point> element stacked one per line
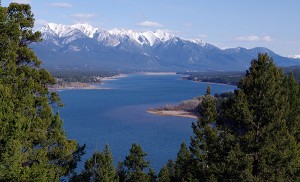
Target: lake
<point>118,116</point>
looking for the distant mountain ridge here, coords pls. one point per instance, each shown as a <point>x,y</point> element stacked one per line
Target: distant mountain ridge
<point>84,47</point>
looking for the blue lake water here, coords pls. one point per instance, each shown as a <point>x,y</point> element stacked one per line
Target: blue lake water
<point>118,116</point>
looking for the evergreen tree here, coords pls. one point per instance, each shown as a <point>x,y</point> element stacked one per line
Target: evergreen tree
<point>108,172</point>
<point>33,145</point>
<point>205,145</point>
<point>164,175</point>
<point>152,175</point>
<point>99,168</point>
<point>238,165</point>
<point>256,131</point>
<point>292,90</point>
<point>167,173</point>
<point>171,169</point>
<point>136,164</point>
<point>183,164</point>
<point>121,172</point>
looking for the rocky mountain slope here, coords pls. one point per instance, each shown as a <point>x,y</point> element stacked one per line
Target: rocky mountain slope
<point>84,47</point>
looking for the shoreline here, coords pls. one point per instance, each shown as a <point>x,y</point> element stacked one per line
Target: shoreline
<point>207,82</point>
<point>114,77</point>
<point>92,86</point>
<point>86,86</point>
<point>156,73</point>
<point>78,88</point>
<point>213,83</point>
<point>174,113</point>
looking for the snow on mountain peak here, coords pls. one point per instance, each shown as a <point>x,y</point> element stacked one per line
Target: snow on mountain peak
<point>112,37</point>
<point>86,29</point>
<point>65,30</point>
<point>156,36</point>
<point>199,42</point>
<point>149,37</point>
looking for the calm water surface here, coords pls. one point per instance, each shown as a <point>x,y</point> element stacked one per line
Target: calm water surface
<point>118,117</point>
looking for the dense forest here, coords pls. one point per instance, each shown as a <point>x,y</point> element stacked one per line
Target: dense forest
<point>68,79</point>
<point>232,78</point>
<point>82,76</point>
<point>250,135</point>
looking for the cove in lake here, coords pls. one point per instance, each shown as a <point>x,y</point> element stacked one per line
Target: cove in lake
<point>118,116</point>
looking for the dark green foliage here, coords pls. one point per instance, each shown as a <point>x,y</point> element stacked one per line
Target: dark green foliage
<point>167,172</point>
<point>99,167</point>
<point>252,136</point>
<point>81,76</point>
<point>259,126</point>
<point>164,175</point>
<point>231,78</point>
<point>135,164</point>
<point>171,169</point>
<point>33,145</point>
<point>205,144</point>
<point>121,172</point>
<point>152,175</point>
<point>292,89</point>
<point>223,98</point>
<point>183,170</point>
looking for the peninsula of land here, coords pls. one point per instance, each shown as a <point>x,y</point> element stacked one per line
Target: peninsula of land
<point>89,84</point>
<point>187,109</point>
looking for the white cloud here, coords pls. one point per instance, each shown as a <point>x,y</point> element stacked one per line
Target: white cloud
<point>84,15</point>
<point>61,5</point>
<point>266,38</point>
<point>22,1</point>
<point>150,24</point>
<point>248,38</point>
<point>254,38</point>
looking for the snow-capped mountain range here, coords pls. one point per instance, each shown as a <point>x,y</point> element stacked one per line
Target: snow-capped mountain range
<point>82,46</point>
<point>115,36</point>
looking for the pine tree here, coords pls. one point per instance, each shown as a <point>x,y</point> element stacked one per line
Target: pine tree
<point>292,90</point>
<point>256,131</point>
<point>237,114</point>
<point>33,145</point>
<point>152,175</point>
<point>99,167</point>
<point>183,164</point>
<point>121,171</point>
<point>135,164</point>
<point>108,172</point>
<point>164,175</point>
<point>171,169</point>
<point>167,173</point>
<point>205,144</point>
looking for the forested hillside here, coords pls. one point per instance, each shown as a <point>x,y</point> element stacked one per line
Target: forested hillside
<point>232,78</point>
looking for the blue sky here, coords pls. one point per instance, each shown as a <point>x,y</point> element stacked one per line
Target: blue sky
<point>232,23</point>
